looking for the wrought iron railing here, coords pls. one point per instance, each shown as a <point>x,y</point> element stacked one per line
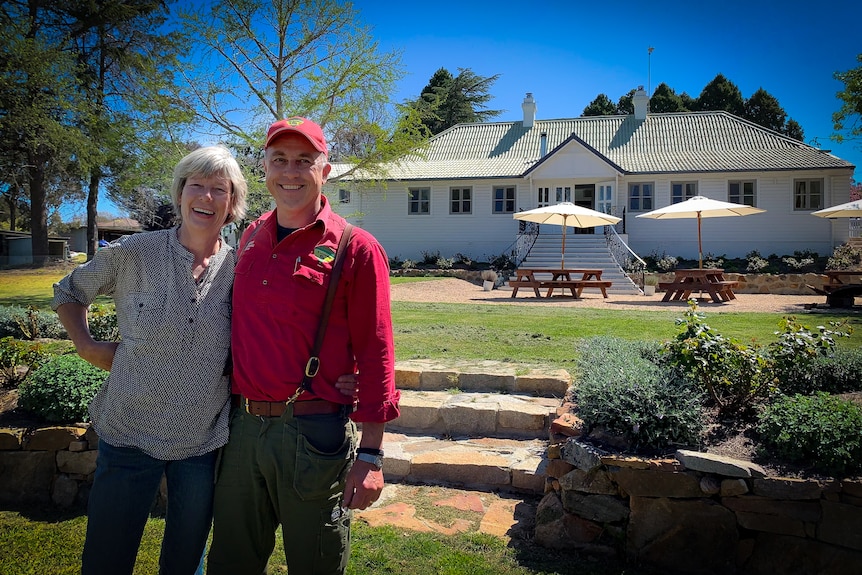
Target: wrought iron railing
<point>856,227</point>
<point>528,232</point>
<point>626,259</point>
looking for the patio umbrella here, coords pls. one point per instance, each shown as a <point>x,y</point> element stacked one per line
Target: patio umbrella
<point>700,207</point>
<point>567,214</point>
<point>849,210</point>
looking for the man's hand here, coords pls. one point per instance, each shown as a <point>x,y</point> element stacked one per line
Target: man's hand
<point>364,485</point>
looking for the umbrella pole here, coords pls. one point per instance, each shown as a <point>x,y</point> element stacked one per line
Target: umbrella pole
<point>563,253</point>
<point>699,248</point>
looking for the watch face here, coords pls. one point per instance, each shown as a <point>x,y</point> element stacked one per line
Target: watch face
<point>375,460</point>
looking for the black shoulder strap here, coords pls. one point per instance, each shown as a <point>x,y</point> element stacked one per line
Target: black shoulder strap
<point>313,364</point>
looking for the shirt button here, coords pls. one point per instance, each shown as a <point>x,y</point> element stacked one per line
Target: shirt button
<point>191,320</point>
<point>274,256</point>
<point>264,282</point>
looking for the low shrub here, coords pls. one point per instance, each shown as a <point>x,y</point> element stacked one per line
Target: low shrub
<point>622,390</point>
<point>845,257</point>
<point>820,431</point>
<point>798,349</point>
<point>30,323</point>
<point>102,319</point>
<point>61,389</point>
<point>18,359</point>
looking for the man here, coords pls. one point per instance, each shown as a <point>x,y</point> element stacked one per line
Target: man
<point>295,463</point>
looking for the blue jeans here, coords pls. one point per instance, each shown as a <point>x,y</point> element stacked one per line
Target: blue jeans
<point>124,488</point>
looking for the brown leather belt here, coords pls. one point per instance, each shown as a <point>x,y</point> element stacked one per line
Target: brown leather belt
<point>277,408</point>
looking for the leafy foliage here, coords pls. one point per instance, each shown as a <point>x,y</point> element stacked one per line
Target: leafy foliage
<point>622,390</point>
<point>448,100</point>
<point>733,374</point>
<point>848,118</point>
<point>18,359</point>
<point>845,257</point>
<point>61,389</point>
<point>14,320</point>
<point>600,106</point>
<point>793,355</point>
<point>102,320</point>
<point>820,430</point>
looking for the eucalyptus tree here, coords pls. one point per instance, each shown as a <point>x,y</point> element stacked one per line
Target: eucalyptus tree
<point>257,61</point>
<point>847,120</point>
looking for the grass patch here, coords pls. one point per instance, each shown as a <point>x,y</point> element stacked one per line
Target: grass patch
<point>525,334</point>
<point>34,545</point>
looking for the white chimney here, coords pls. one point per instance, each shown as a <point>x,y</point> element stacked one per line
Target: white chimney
<point>529,107</point>
<point>641,103</point>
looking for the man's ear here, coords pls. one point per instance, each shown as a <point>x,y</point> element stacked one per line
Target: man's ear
<point>326,169</point>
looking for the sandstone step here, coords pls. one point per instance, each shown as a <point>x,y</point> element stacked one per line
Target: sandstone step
<point>486,376</point>
<point>485,464</point>
<point>475,414</point>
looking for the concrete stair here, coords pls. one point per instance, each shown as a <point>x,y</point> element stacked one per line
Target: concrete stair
<point>582,251</point>
<point>481,426</point>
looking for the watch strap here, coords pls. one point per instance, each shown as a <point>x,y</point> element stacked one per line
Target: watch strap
<point>375,460</point>
<point>370,451</point>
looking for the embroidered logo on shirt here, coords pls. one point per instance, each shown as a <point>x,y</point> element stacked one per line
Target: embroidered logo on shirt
<point>324,254</point>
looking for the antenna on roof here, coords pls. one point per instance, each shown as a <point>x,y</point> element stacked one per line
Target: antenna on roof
<point>648,73</point>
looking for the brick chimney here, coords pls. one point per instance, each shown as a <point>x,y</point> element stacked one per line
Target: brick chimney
<point>529,107</point>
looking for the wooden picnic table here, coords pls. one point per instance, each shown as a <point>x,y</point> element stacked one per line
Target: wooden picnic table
<point>560,278</point>
<point>686,281</point>
<point>835,276</point>
<point>837,292</point>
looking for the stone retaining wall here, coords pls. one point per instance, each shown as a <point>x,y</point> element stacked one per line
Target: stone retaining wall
<point>50,466</point>
<point>778,284</point>
<point>698,513</point>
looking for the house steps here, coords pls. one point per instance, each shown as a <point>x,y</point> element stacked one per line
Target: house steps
<point>582,251</point>
<point>478,425</point>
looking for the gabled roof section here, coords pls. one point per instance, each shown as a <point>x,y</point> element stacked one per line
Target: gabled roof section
<point>684,142</point>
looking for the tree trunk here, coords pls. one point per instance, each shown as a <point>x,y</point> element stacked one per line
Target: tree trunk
<point>38,212</point>
<point>92,199</point>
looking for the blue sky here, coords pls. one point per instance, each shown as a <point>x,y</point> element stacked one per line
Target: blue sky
<point>566,52</point>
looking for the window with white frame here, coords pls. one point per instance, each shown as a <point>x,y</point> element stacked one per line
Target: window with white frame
<point>343,196</point>
<point>420,201</point>
<point>807,194</point>
<point>544,198</point>
<point>742,192</point>
<point>564,194</point>
<point>460,200</point>
<point>504,200</point>
<point>682,191</point>
<point>641,196</point>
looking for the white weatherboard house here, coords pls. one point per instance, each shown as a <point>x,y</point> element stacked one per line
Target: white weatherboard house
<point>460,196</point>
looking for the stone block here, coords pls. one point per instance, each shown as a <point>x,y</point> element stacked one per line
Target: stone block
<point>784,555</point>
<point>65,491</point>
<point>841,525</point>
<point>548,384</point>
<point>439,380</point>
<point>682,535</point>
<point>787,488</point>
<point>407,378</point>
<point>652,483</point>
<point>529,474</point>
<point>595,481</point>
<point>26,477</point>
<point>11,438</point>
<point>462,467</point>
<point>582,455</point>
<point>82,463</point>
<point>419,412</point>
<point>470,414</point>
<point>718,464</point>
<point>53,438</point>
<point>601,508</point>
<point>486,382</point>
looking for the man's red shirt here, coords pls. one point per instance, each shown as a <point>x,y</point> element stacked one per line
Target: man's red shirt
<point>278,294</point>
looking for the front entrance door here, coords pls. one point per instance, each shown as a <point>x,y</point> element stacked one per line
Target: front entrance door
<point>585,196</point>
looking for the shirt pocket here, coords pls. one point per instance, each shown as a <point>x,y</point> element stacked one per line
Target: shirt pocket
<point>146,313</point>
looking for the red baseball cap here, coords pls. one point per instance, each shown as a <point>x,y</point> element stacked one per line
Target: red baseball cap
<point>307,128</point>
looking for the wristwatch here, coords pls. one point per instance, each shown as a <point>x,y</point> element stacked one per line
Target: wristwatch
<point>372,456</point>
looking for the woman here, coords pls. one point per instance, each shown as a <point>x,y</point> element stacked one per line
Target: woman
<point>164,407</point>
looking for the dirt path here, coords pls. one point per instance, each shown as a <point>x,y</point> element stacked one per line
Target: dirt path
<point>453,290</point>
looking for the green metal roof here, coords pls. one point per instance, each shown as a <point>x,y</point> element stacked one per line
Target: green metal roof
<point>686,142</point>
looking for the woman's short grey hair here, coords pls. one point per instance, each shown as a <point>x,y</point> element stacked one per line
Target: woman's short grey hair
<point>212,161</point>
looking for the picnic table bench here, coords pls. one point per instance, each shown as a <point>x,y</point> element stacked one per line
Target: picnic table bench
<point>838,293</point>
<point>560,279</point>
